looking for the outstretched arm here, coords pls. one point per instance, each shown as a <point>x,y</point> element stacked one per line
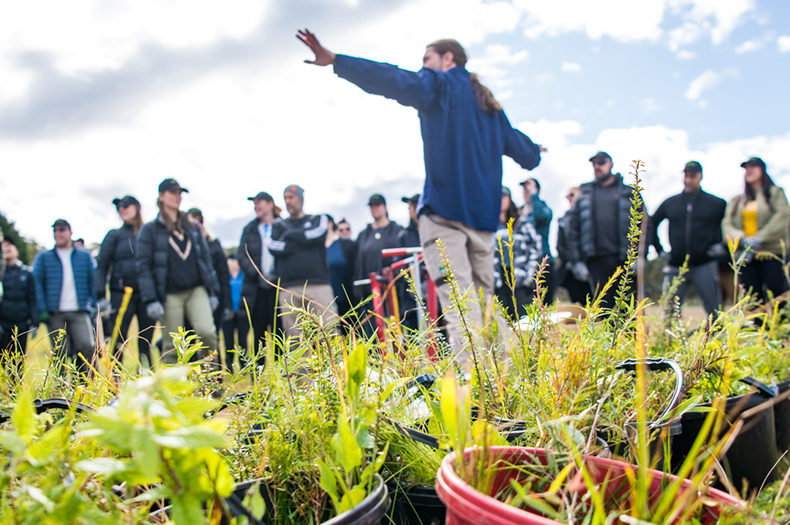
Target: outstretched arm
<point>323,57</point>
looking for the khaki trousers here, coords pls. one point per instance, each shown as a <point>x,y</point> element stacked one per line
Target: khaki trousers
<point>471,256</point>
<point>317,298</point>
<point>195,305</point>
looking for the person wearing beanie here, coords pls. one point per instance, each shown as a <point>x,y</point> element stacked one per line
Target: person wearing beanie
<point>299,248</point>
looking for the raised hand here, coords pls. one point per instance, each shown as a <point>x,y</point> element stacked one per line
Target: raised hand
<point>323,57</point>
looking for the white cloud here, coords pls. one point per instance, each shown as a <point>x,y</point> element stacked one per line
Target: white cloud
<point>88,35</point>
<point>686,55</point>
<point>749,46</point>
<point>571,67</point>
<point>649,105</point>
<point>783,43</point>
<point>488,65</point>
<point>613,18</point>
<point>684,35</point>
<point>719,18</point>
<point>706,81</point>
<point>626,20</point>
<point>544,77</point>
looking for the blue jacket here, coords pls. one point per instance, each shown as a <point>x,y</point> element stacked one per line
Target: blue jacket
<point>48,274</point>
<point>463,145</point>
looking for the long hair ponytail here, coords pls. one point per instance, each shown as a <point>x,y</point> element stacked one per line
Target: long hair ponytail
<point>485,99</point>
<point>766,182</point>
<point>178,225</point>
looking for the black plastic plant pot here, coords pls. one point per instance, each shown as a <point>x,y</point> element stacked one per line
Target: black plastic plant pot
<point>372,510</point>
<point>751,459</point>
<point>415,505</point>
<point>782,418</point>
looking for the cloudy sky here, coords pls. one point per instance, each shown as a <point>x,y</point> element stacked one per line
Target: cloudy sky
<point>99,99</point>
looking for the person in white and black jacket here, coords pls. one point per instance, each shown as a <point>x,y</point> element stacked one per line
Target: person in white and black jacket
<point>175,272</point>
<point>298,246</point>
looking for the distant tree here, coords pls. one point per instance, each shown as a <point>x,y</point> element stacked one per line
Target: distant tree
<point>27,249</point>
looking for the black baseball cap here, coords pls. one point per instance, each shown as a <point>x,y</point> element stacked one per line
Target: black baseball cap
<point>61,222</point>
<point>171,185</point>
<point>414,199</point>
<point>601,155</point>
<point>693,165</point>
<point>754,161</point>
<point>125,201</point>
<point>196,212</point>
<point>263,196</point>
<point>377,198</point>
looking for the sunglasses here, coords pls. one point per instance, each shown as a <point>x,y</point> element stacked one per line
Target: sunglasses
<point>60,229</point>
<point>343,230</point>
<point>122,205</point>
<point>600,162</point>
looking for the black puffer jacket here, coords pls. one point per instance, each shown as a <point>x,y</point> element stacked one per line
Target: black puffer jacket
<point>19,300</point>
<point>581,228</point>
<point>152,256</point>
<point>117,258</point>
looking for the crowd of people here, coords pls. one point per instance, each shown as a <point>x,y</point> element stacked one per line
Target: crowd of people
<point>178,274</point>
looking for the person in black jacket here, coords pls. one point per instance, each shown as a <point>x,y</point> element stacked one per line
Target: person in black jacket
<point>18,314</point>
<point>380,234</point>
<point>176,276</point>
<point>116,268</point>
<point>695,218</point>
<point>299,249</point>
<point>220,262</point>
<point>598,230</point>
<point>257,265</point>
<point>578,291</point>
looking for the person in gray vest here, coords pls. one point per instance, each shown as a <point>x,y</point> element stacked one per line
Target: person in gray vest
<point>597,234</point>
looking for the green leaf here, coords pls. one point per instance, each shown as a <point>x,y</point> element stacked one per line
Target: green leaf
<point>356,364</point>
<point>42,449</point>
<point>36,494</point>
<point>202,436</point>
<point>145,453</point>
<point>12,442</point>
<point>191,407</point>
<point>187,510</point>
<point>24,417</point>
<point>254,501</point>
<point>104,466</point>
<point>328,482</point>
<point>450,406</point>
<point>347,450</point>
<point>352,498</point>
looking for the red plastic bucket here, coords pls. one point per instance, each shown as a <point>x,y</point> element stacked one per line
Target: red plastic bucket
<point>467,506</point>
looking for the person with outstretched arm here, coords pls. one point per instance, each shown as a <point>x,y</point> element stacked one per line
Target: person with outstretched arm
<point>465,134</point>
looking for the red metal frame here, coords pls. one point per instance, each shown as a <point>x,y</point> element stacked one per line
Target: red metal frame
<point>389,274</point>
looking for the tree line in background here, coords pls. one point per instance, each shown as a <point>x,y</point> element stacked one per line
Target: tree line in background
<point>27,248</point>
